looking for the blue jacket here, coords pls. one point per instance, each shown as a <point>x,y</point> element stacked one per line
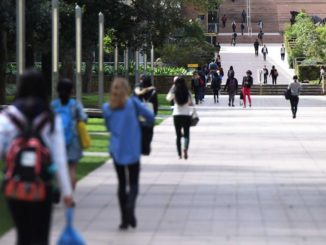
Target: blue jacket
<point>125,142</point>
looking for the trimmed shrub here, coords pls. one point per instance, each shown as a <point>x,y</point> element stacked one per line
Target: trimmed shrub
<point>307,72</point>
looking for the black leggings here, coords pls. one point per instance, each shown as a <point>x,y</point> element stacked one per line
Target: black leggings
<point>274,80</point>
<point>294,100</point>
<point>182,122</point>
<point>216,94</point>
<point>32,220</point>
<point>127,199</point>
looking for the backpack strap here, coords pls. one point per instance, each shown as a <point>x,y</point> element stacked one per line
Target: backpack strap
<point>18,123</point>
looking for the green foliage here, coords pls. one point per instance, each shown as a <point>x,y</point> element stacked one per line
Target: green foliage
<point>309,40</point>
<point>307,72</point>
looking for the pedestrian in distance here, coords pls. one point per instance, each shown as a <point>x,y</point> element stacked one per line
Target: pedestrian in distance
<point>218,47</point>
<point>282,52</point>
<point>32,145</point>
<point>218,60</point>
<point>234,26</point>
<point>195,86</point>
<point>295,88</point>
<point>264,51</point>
<point>147,93</point>
<point>322,74</point>
<point>71,112</point>
<point>260,37</point>
<point>256,46</point>
<point>260,25</point>
<point>232,87</point>
<point>274,75</point>
<point>181,114</point>
<point>224,19</point>
<point>216,85</point>
<point>247,83</point>
<point>242,28</point>
<point>244,16</point>
<point>121,114</point>
<point>265,73</point>
<point>231,72</point>
<point>234,39</point>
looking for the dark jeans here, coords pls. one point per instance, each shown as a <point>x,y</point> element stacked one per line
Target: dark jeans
<point>264,54</point>
<point>197,94</point>
<point>294,100</point>
<point>32,220</point>
<point>182,122</point>
<point>274,80</point>
<point>265,78</point>
<point>282,56</point>
<point>216,94</point>
<point>231,97</point>
<point>127,199</point>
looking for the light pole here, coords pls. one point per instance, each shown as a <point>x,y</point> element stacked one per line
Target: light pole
<point>249,18</point>
<point>137,66</point>
<point>152,63</point>
<point>100,59</point>
<point>20,38</point>
<point>55,47</point>
<point>116,59</point>
<point>78,17</point>
<point>127,61</point>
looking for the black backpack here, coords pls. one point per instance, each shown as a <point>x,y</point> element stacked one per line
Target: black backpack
<point>27,161</point>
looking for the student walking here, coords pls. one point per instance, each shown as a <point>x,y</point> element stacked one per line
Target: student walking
<point>32,144</point>
<point>242,28</point>
<point>247,83</point>
<point>224,19</point>
<point>322,75</point>
<point>244,16</point>
<point>231,72</point>
<point>265,73</point>
<point>216,85</point>
<point>274,75</point>
<point>71,111</point>
<point>234,39</point>
<point>264,51</point>
<point>181,96</point>
<point>234,25</point>
<point>282,52</point>
<point>260,37</point>
<point>260,25</point>
<point>195,86</point>
<point>232,87</point>
<point>256,46</point>
<point>121,120</point>
<point>295,88</point>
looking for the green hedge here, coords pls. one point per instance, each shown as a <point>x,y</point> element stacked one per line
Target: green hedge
<point>307,72</point>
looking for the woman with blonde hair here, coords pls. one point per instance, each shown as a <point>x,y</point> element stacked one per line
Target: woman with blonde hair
<point>121,119</point>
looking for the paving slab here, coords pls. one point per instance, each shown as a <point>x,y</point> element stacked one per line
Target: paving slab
<point>254,176</point>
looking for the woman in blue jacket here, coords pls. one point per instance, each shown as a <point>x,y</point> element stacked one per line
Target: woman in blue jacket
<point>121,119</point>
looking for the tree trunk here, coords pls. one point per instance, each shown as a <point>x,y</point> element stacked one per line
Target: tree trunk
<point>3,65</point>
<point>87,77</point>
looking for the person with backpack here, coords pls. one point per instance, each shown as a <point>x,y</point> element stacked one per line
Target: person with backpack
<point>232,87</point>
<point>195,86</point>
<point>274,75</point>
<point>32,147</point>
<point>224,19</point>
<point>264,51</point>
<point>295,89</point>
<point>256,46</point>
<point>234,39</point>
<point>121,114</point>
<point>202,86</point>
<point>216,85</point>
<point>234,26</point>
<point>181,96</point>
<point>71,112</point>
<point>247,83</point>
<point>265,73</point>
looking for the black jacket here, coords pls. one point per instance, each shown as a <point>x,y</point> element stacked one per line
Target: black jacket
<point>151,96</point>
<point>231,89</point>
<point>247,82</point>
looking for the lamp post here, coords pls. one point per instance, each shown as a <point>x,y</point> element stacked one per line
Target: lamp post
<point>100,59</point>
<point>78,16</point>
<point>20,38</point>
<point>152,63</point>
<point>127,61</point>
<point>137,66</point>
<point>116,59</point>
<point>55,47</point>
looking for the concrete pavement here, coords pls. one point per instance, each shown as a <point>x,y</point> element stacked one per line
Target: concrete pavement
<point>254,176</point>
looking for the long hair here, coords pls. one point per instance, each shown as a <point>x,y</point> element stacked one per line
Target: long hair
<point>181,91</point>
<point>119,93</point>
<point>31,97</point>
<point>64,90</point>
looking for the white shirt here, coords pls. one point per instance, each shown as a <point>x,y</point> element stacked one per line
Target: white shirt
<point>178,110</point>
<point>54,141</point>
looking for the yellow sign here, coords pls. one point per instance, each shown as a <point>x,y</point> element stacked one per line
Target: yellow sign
<point>192,65</point>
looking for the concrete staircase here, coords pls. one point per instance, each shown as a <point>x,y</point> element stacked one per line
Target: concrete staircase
<point>274,13</point>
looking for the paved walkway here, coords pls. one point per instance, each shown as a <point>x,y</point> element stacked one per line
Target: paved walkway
<point>242,58</point>
<point>255,176</point>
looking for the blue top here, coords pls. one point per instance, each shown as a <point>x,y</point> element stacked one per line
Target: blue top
<point>124,125</point>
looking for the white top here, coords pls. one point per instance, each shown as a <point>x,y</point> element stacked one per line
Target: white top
<point>282,50</point>
<point>54,141</point>
<point>178,110</point>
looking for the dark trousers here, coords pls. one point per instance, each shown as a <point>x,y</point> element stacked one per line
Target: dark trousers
<point>127,199</point>
<point>231,98</point>
<point>32,220</point>
<point>265,78</point>
<point>216,94</point>
<point>274,80</point>
<point>264,54</point>
<point>182,122</point>
<point>197,95</point>
<point>282,56</point>
<point>294,100</point>
<point>256,52</point>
